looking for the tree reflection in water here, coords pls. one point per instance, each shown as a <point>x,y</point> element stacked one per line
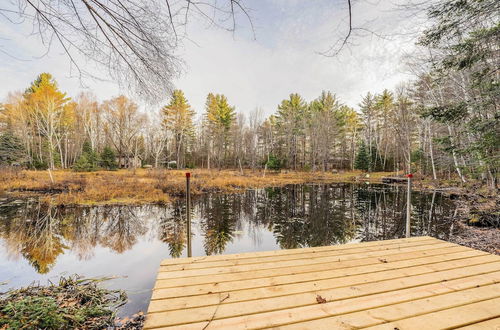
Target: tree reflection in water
<point>296,215</point>
<point>40,233</point>
<point>382,213</point>
<point>172,228</point>
<point>121,227</point>
<point>219,214</point>
<point>309,215</point>
<point>32,230</point>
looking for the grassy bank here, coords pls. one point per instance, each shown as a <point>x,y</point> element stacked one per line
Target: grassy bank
<point>143,186</point>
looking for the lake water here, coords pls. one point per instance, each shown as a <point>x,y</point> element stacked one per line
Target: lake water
<point>38,243</point>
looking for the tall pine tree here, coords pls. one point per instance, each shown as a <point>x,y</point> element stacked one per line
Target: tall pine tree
<point>362,159</point>
<point>178,120</point>
<point>220,117</point>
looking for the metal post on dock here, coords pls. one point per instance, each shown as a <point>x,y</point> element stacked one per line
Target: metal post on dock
<point>188,213</point>
<point>408,205</point>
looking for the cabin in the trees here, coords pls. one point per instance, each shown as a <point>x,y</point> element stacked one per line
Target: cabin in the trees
<point>129,161</point>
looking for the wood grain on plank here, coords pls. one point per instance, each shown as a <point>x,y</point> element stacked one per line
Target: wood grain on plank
<point>306,284</point>
<point>229,307</point>
<point>316,253</point>
<point>394,312</point>
<point>322,316</point>
<point>264,273</point>
<point>491,324</point>
<point>387,284</point>
<point>300,262</point>
<point>202,259</point>
<point>449,318</point>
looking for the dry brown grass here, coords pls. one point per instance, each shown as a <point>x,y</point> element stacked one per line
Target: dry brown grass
<point>152,186</point>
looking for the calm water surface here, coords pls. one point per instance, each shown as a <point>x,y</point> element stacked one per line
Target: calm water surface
<point>38,243</point>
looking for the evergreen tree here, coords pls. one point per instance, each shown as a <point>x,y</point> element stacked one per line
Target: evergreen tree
<point>290,122</point>
<point>467,33</point>
<point>219,112</point>
<point>323,128</point>
<point>91,155</point>
<point>178,119</point>
<point>108,159</point>
<point>88,161</point>
<point>369,112</point>
<point>11,149</point>
<point>220,117</point>
<point>362,159</point>
<point>273,163</point>
<point>83,164</point>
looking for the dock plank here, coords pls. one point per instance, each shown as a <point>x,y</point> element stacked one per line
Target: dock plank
<point>306,268</point>
<point>296,262</point>
<point>385,283</point>
<point>377,266</point>
<point>449,318</point>
<point>485,325</point>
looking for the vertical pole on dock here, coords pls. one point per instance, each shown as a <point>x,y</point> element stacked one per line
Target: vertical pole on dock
<point>408,205</point>
<point>188,212</point>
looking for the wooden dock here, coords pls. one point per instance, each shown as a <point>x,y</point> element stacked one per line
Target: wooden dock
<point>415,283</point>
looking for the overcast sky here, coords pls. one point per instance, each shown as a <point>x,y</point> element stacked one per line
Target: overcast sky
<point>282,59</point>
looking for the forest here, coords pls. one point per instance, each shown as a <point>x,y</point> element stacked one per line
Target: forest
<point>443,123</point>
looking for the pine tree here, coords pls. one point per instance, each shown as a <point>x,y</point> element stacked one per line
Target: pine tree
<point>273,163</point>
<point>220,117</point>
<point>385,110</point>
<point>362,160</point>
<point>178,119</point>
<point>83,164</point>
<point>290,122</point>
<point>91,155</point>
<point>369,112</point>
<point>108,159</point>
<point>88,160</point>
<point>11,149</point>
<point>219,112</point>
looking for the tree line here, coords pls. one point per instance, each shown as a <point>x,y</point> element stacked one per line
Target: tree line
<point>43,128</point>
<point>442,123</point>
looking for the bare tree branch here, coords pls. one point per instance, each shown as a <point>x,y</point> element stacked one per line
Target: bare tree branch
<point>334,50</point>
<point>135,41</point>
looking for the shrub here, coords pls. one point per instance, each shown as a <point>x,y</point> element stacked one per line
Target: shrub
<point>83,164</point>
<point>274,163</point>
<point>39,164</point>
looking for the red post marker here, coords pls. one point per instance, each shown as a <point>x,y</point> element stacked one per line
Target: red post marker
<point>188,175</point>
<point>409,175</point>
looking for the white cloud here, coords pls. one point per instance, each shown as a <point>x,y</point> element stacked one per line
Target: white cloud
<point>285,59</point>
<point>262,72</point>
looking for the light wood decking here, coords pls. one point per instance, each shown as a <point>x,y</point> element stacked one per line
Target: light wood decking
<point>415,283</point>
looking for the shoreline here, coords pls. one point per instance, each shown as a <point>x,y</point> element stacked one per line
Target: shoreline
<point>141,186</point>
<point>160,187</point>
